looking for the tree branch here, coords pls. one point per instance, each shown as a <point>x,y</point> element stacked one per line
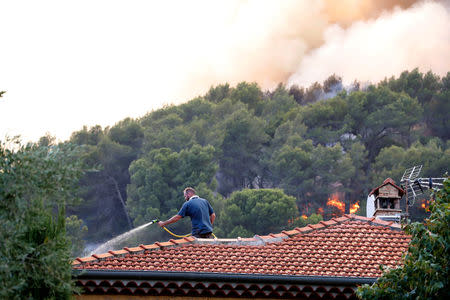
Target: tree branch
<point>116,185</point>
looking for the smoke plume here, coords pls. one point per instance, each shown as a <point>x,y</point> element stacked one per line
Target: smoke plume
<point>373,49</point>
<point>300,42</point>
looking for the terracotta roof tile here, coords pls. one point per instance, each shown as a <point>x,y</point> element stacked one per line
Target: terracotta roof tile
<point>279,235</point>
<point>134,249</point>
<point>103,255</point>
<point>316,226</point>
<point>341,219</point>
<point>119,252</point>
<point>151,247</point>
<point>328,223</point>
<point>165,244</point>
<point>86,259</point>
<point>291,232</point>
<point>350,246</point>
<point>382,222</point>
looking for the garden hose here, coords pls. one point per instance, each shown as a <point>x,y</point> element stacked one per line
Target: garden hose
<point>182,236</point>
<point>176,235</point>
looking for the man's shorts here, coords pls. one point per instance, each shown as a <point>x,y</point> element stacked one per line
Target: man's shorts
<point>203,235</point>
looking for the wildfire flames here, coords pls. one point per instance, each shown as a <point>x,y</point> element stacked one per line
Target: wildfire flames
<point>333,203</point>
<point>354,208</point>
<point>425,204</point>
<point>340,205</point>
<point>336,203</point>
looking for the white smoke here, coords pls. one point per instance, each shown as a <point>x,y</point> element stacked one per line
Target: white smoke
<point>127,57</point>
<point>392,43</point>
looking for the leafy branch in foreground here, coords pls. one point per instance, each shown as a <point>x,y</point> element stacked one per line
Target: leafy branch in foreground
<point>36,182</point>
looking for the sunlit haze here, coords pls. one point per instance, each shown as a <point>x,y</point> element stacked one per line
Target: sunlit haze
<point>65,64</point>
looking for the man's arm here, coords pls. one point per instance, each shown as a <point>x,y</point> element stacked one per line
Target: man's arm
<point>212,217</point>
<point>174,219</point>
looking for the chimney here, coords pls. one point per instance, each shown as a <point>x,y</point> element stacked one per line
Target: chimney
<point>383,201</point>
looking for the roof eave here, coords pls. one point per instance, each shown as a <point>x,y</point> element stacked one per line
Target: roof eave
<point>221,277</point>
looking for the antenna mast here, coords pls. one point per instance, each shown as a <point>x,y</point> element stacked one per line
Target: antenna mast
<point>415,185</point>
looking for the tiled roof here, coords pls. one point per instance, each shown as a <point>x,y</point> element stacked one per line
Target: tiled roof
<point>349,246</point>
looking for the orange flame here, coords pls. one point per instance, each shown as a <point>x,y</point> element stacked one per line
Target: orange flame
<point>425,205</point>
<point>340,205</point>
<point>354,208</point>
<point>334,201</point>
<point>305,217</point>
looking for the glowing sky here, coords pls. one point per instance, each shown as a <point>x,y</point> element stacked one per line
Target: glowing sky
<point>65,64</point>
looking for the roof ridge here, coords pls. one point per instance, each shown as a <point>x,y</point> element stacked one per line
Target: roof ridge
<point>141,248</point>
<point>256,240</point>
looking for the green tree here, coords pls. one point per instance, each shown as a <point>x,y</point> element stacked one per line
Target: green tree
<point>247,93</point>
<point>313,93</point>
<point>241,151</point>
<point>127,132</point>
<point>436,111</point>
<point>275,109</point>
<point>36,183</point>
<point>158,179</point>
<point>108,153</point>
<point>415,84</point>
<point>352,174</point>
<point>425,270</point>
<point>291,169</point>
<point>332,84</point>
<point>392,161</point>
<point>218,93</point>
<point>76,232</point>
<point>298,93</point>
<point>249,212</point>
<point>327,164</point>
<point>325,120</point>
<point>381,118</point>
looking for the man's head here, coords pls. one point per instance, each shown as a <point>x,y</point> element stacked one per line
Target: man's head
<point>188,193</point>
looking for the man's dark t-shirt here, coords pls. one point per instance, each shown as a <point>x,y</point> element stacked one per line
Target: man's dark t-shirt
<point>199,210</point>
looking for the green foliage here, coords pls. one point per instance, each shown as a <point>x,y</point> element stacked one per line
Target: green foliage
<point>108,154</point>
<point>35,184</point>
<point>297,93</point>
<point>87,137</point>
<point>158,180</point>
<point>76,232</point>
<point>247,93</point>
<point>392,161</point>
<point>261,211</point>
<point>127,132</point>
<point>275,109</point>
<point>381,118</point>
<point>241,151</point>
<point>437,110</point>
<point>305,220</point>
<point>425,270</point>
<point>325,119</point>
<point>218,93</point>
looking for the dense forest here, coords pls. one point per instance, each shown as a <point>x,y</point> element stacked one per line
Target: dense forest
<point>266,160</point>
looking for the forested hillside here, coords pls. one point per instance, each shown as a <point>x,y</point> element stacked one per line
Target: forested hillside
<point>315,150</point>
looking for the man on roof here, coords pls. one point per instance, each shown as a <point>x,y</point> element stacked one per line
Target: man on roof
<point>199,210</point>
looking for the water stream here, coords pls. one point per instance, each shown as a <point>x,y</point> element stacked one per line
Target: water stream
<point>113,243</point>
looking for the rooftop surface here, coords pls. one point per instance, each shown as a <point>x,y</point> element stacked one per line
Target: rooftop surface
<point>349,246</point>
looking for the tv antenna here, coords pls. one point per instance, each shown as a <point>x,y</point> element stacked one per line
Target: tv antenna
<point>415,185</point>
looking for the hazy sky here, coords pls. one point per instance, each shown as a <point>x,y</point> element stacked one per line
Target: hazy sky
<point>65,64</point>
